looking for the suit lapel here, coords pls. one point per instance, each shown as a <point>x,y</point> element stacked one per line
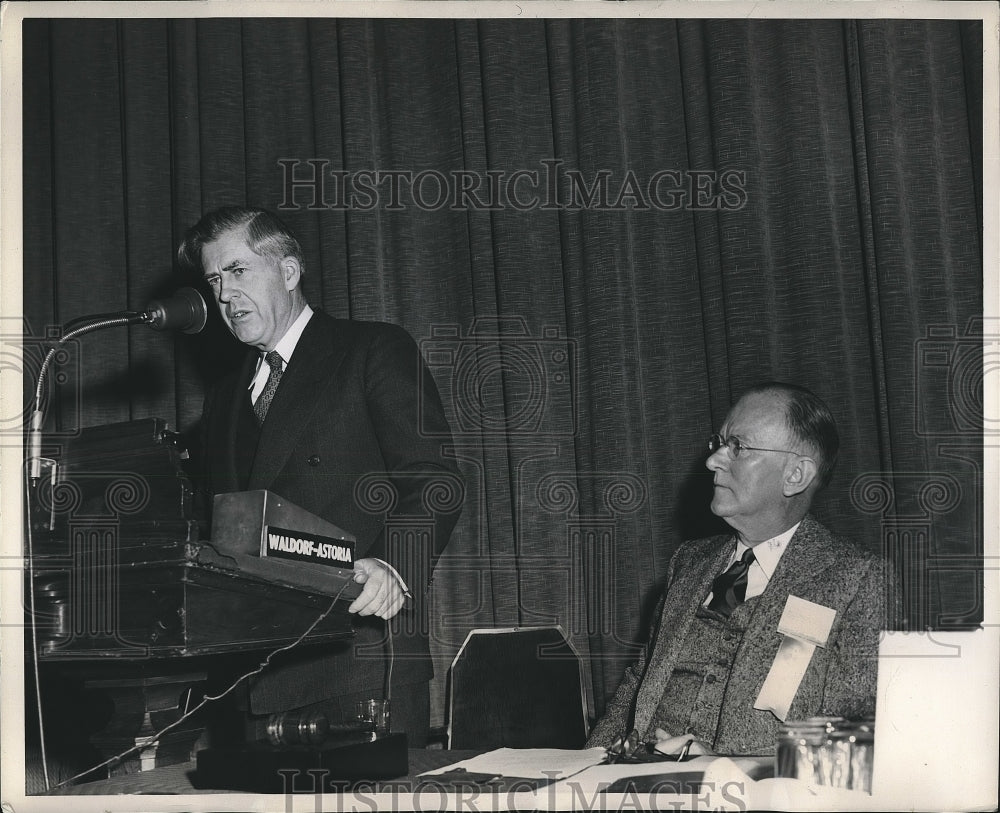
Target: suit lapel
<point>807,557</point>
<point>228,478</point>
<point>317,356</point>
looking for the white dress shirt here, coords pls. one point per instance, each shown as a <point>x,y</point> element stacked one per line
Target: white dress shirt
<point>285,348</point>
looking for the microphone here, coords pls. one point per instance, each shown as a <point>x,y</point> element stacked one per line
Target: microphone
<point>184,311</point>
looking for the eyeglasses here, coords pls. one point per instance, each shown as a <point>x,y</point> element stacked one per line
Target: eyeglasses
<point>736,446</point>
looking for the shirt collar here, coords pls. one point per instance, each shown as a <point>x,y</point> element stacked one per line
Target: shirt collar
<point>768,552</point>
<point>286,344</point>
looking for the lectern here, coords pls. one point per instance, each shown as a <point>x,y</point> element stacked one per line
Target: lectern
<point>131,598</point>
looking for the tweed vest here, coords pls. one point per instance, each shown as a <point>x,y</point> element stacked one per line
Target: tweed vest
<point>692,698</point>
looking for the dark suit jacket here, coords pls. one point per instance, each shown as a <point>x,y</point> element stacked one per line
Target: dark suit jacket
<point>355,435</point>
<point>840,680</point>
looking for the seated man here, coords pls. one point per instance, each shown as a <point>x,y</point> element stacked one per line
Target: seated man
<point>698,683</point>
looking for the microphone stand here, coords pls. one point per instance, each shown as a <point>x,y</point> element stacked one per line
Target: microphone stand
<point>34,475</point>
<point>158,316</point>
<point>186,312</point>
<point>98,322</point>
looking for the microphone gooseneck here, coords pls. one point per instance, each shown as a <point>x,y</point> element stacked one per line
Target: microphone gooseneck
<point>38,415</point>
<point>185,311</point>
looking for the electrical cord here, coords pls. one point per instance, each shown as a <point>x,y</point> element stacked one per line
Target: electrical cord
<point>32,477</point>
<point>391,659</point>
<point>34,625</point>
<point>209,698</point>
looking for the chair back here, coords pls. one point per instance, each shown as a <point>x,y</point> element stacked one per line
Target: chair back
<point>516,687</point>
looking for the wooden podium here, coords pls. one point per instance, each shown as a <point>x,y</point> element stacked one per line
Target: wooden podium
<point>131,601</point>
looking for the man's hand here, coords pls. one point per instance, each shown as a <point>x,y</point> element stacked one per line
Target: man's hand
<point>666,744</point>
<point>382,594</point>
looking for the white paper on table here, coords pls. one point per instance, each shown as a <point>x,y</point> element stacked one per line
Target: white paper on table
<point>723,783</point>
<point>528,763</point>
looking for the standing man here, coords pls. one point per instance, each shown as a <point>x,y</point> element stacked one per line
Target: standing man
<point>702,676</point>
<point>323,412</point>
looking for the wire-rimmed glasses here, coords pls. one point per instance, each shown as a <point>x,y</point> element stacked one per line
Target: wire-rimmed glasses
<point>736,446</point>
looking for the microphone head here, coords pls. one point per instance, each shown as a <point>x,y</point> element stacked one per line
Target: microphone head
<point>185,311</point>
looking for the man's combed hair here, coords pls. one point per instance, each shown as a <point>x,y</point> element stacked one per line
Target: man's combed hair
<point>810,421</point>
<point>266,235</point>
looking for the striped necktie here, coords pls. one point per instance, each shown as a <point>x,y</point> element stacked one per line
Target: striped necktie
<point>729,589</point>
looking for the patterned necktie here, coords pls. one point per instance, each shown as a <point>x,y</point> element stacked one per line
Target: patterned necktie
<point>729,589</point>
<point>260,407</point>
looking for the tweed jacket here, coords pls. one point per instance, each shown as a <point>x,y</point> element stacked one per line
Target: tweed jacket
<point>840,680</point>
<point>355,434</point>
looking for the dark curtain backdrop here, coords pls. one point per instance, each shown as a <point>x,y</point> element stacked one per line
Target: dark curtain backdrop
<point>585,352</point>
